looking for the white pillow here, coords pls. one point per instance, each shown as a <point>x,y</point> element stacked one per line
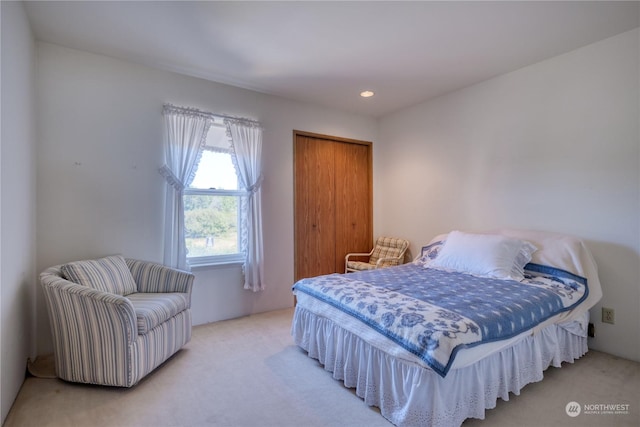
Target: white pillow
<point>484,255</point>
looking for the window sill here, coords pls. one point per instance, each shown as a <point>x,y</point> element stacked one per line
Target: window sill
<point>207,265</point>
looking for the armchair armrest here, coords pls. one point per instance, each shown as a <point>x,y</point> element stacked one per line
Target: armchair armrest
<point>346,258</point>
<point>152,277</point>
<point>94,332</point>
<point>70,302</point>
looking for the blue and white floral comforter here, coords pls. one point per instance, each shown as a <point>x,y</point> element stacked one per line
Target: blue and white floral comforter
<point>433,313</point>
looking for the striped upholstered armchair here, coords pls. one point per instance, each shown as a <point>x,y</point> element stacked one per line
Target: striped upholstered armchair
<point>114,320</point>
<point>387,252</point>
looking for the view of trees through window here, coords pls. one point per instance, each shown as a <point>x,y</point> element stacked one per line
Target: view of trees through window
<point>211,224</point>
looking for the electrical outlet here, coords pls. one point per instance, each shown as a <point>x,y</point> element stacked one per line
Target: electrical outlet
<point>608,315</point>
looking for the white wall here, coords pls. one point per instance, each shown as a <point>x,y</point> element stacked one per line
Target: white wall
<point>98,189</point>
<point>553,146</point>
<point>17,200</point>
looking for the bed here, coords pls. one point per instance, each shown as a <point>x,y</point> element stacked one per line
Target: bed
<point>471,319</point>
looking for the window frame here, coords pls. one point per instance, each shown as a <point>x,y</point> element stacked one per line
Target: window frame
<point>213,260</point>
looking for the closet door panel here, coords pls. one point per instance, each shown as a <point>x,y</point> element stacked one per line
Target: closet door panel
<point>353,200</point>
<point>314,207</point>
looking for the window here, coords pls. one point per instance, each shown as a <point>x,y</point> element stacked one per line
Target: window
<point>212,205</point>
<point>224,209</point>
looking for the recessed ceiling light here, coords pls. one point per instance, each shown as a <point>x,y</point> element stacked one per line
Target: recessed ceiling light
<point>366,94</point>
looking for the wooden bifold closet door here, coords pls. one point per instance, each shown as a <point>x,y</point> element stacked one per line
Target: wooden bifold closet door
<point>332,202</point>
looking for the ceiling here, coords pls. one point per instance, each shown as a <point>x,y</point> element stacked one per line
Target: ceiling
<point>326,53</point>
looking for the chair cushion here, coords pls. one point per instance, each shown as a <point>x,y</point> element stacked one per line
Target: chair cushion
<point>109,274</point>
<point>153,309</point>
<point>357,265</point>
<point>388,247</point>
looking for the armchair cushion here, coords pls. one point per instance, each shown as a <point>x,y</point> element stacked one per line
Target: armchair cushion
<point>388,247</point>
<point>110,274</point>
<point>153,309</point>
<point>359,265</point>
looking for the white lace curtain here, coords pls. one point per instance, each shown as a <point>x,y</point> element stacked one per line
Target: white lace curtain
<point>246,143</point>
<point>185,137</point>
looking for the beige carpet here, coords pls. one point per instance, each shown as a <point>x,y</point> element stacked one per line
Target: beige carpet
<point>247,372</point>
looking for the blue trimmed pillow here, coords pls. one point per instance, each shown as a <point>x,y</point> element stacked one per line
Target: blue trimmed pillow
<point>109,274</point>
<point>484,255</point>
<point>429,253</point>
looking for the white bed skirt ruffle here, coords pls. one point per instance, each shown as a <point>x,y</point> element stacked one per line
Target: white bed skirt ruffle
<point>411,395</point>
